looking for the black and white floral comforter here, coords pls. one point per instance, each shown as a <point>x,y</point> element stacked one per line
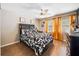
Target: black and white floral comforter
<point>36,40</point>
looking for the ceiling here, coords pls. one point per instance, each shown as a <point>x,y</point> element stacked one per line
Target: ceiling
<point>34,9</point>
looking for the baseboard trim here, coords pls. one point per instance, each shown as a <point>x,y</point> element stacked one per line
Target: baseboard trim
<point>9,44</point>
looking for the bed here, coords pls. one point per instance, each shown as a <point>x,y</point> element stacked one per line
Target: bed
<point>37,40</point>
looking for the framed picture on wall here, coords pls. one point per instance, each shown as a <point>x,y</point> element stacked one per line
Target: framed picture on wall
<point>22,20</point>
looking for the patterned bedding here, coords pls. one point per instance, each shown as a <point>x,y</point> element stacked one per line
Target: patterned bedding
<point>36,40</point>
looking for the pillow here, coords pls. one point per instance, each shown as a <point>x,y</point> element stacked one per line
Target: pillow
<point>23,31</point>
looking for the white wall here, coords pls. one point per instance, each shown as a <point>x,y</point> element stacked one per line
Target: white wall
<point>9,27</point>
<point>0,27</point>
<point>0,32</point>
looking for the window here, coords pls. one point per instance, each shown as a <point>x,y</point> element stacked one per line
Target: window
<point>65,24</point>
<point>50,26</point>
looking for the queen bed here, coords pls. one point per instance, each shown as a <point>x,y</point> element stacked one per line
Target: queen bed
<point>37,40</point>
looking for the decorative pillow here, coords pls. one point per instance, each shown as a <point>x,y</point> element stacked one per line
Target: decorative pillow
<point>23,31</point>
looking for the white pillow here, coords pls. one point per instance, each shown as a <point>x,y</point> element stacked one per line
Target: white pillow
<point>23,31</point>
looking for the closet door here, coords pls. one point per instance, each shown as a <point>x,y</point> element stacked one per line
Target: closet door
<point>46,25</point>
<point>57,28</point>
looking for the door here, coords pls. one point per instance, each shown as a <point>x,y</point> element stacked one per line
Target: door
<point>57,28</point>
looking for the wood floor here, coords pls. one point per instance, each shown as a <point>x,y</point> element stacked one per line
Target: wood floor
<point>59,49</point>
<point>20,49</point>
